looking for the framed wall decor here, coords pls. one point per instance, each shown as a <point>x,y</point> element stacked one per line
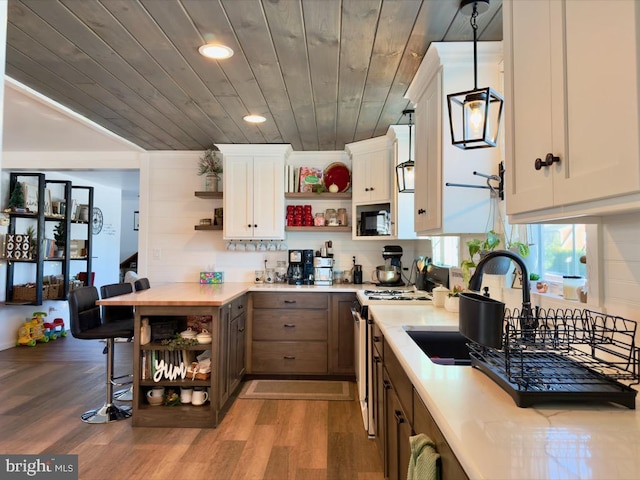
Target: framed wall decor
<point>136,221</point>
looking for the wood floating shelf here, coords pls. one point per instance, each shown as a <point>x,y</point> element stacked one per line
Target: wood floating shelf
<point>209,194</point>
<point>318,196</point>
<point>208,227</point>
<point>318,229</point>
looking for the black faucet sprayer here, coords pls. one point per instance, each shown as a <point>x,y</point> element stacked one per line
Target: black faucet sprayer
<point>528,321</point>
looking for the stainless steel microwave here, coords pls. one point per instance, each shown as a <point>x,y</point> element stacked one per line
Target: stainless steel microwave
<point>375,223</point>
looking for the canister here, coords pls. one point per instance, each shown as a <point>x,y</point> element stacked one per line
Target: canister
<point>439,295</point>
<point>570,285</point>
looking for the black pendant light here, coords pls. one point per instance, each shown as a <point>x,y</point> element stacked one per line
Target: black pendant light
<point>405,172</point>
<point>474,115</point>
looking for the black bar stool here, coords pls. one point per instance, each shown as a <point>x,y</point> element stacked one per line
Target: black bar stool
<point>119,313</point>
<point>86,324</point>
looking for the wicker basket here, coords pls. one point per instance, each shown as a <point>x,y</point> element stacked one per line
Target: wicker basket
<point>27,293</point>
<point>53,291</point>
<point>194,374</point>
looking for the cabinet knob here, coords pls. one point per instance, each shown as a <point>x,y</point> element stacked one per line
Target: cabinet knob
<point>549,160</point>
<point>399,417</point>
<point>240,330</point>
<point>366,189</point>
<point>386,384</point>
<point>421,211</point>
<point>376,359</point>
<point>255,225</point>
<point>376,338</point>
<point>372,189</point>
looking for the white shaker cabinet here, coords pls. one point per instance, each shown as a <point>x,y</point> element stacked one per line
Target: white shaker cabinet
<point>254,191</point>
<point>440,209</point>
<point>372,169</point>
<point>373,181</point>
<point>571,92</point>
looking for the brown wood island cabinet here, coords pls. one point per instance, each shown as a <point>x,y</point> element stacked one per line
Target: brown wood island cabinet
<point>399,413</point>
<point>302,333</point>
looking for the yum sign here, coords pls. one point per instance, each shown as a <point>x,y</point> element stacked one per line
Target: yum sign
<point>169,371</point>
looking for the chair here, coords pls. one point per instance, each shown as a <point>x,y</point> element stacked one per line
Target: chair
<point>119,314</point>
<point>86,324</point>
<point>142,284</point>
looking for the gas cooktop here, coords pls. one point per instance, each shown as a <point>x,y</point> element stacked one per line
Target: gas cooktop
<point>401,295</point>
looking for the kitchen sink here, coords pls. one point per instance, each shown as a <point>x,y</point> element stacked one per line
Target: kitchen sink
<point>444,348</point>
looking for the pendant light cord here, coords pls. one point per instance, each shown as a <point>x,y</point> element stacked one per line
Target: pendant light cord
<point>474,26</point>
<point>410,125</point>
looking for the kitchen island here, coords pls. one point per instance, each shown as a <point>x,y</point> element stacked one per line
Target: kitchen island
<point>491,437</point>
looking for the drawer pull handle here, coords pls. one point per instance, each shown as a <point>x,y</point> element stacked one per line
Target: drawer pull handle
<point>376,359</point>
<point>289,357</point>
<point>290,301</point>
<point>386,384</point>
<point>399,417</point>
<point>241,330</point>
<point>289,325</point>
<point>376,338</point>
<point>240,307</point>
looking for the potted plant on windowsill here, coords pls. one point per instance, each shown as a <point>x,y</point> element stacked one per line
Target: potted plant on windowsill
<point>210,165</point>
<point>497,266</point>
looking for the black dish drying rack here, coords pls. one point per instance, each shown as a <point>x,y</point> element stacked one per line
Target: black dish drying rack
<point>563,355</point>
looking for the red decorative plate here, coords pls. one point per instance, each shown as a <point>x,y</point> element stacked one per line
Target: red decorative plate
<point>337,173</point>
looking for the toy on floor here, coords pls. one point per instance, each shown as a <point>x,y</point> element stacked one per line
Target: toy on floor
<point>37,330</point>
<point>55,329</point>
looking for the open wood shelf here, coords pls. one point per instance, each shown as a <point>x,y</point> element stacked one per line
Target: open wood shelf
<point>208,227</point>
<point>318,229</point>
<point>318,196</point>
<point>209,194</point>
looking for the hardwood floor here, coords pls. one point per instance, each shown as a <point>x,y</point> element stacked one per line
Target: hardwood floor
<point>44,390</point>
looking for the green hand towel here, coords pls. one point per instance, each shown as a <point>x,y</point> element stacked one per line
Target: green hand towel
<point>424,461</point>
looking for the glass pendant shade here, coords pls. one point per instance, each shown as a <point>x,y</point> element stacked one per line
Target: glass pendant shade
<point>474,122</point>
<point>405,173</point>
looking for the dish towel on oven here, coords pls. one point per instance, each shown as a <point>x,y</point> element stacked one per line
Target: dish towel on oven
<point>424,463</point>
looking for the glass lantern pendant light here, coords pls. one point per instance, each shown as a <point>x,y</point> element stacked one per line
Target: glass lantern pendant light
<point>474,115</point>
<point>405,172</point>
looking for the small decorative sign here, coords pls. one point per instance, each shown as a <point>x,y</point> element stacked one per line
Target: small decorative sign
<point>17,247</point>
<point>211,277</point>
<point>169,371</point>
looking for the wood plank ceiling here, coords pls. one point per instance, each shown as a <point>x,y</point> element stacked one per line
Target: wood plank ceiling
<point>323,72</point>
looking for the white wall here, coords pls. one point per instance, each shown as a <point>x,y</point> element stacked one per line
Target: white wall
<point>128,236</point>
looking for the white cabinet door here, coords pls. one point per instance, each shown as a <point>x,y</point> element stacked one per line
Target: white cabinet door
<point>372,170</point>
<point>254,196</point>
<point>572,92</point>
<point>427,209</point>
<point>238,197</point>
<point>268,197</point>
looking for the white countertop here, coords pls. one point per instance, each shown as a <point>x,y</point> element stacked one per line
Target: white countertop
<point>492,437</point>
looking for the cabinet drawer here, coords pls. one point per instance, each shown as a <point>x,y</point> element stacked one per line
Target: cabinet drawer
<point>239,306</point>
<point>291,300</point>
<point>288,325</point>
<point>377,340</point>
<point>400,381</point>
<point>289,357</point>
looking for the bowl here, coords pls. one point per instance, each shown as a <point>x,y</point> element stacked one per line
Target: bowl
<point>188,334</point>
<point>204,337</point>
<point>387,274</point>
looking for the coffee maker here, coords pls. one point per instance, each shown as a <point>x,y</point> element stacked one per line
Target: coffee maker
<point>323,271</point>
<point>300,270</point>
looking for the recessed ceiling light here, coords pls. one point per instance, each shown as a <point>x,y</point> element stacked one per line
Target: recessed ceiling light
<point>254,118</point>
<point>216,51</point>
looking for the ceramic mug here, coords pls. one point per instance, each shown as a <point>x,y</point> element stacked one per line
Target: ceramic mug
<point>199,397</point>
<point>156,392</point>
<point>185,395</point>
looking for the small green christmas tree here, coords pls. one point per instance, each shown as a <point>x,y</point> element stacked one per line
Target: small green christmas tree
<point>17,197</point>
<point>60,235</point>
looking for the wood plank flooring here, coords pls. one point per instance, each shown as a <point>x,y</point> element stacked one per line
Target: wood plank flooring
<point>44,390</point>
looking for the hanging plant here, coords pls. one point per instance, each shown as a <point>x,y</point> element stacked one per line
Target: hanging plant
<point>211,162</point>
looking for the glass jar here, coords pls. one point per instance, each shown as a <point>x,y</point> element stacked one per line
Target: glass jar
<point>281,272</point>
<point>331,217</point>
<point>318,221</point>
<point>342,217</point>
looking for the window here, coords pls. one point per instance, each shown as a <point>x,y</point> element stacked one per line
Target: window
<point>445,251</point>
<point>559,252</point>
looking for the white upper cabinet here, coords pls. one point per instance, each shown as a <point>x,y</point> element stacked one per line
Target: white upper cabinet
<point>440,209</point>
<point>372,169</point>
<point>571,92</point>
<point>254,191</point>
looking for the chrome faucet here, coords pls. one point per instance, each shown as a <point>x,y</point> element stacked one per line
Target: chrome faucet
<point>527,319</point>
